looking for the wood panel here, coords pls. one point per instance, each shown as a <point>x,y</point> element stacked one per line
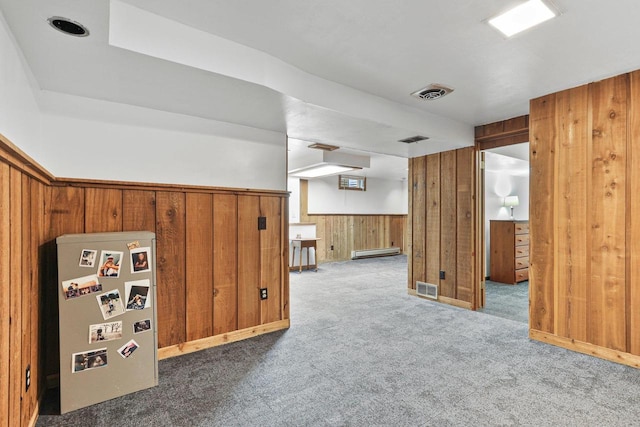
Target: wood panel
<point>591,221</point>
<point>607,305</point>
<point>138,210</point>
<point>448,223</point>
<point>5,290</point>
<point>432,213</point>
<point>64,211</point>
<point>633,217</point>
<point>225,261</point>
<point>170,264</point>
<point>37,238</point>
<point>542,147</point>
<point>15,298</point>
<point>465,260</point>
<point>63,214</point>
<point>270,256</point>
<point>418,221</point>
<point>502,133</point>
<point>248,262</point>
<point>26,261</point>
<point>284,260</point>
<point>103,210</point>
<point>199,266</point>
<point>409,233</point>
<point>573,232</point>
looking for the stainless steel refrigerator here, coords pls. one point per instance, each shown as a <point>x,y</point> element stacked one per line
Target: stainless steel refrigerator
<point>107,306</point>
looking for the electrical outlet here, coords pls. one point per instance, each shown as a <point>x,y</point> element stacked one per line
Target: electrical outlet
<point>331,247</point>
<point>27,378</point>
<point>263,293</point>
<point>442,274</point>
<point>262,223</point>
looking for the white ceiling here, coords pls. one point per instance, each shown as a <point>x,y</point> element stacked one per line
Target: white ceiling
<point>331,71</point>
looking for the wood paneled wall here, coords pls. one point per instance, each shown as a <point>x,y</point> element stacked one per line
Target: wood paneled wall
<point>22,192</point>
<point>584,211</point>
<point>442,229</point>
<point>211,258</point>
<point>347,233</point>
<point>211,262</point>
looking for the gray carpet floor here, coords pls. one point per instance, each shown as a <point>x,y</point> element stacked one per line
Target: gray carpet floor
<point>507,301</point>
<point>361,352</point>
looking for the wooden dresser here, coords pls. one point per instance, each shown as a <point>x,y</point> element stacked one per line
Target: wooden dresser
<point>509,251</point>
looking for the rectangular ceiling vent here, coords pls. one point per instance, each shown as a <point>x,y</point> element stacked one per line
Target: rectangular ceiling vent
<point>413,139</point>
<point>323,147</point>
<point>428,290</point>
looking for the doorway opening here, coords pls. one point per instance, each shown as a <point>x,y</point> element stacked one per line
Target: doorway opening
<point>506,224</point>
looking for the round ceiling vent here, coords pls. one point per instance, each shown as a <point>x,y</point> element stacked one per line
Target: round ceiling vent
<point>431,92</point>
<point>68,26</point>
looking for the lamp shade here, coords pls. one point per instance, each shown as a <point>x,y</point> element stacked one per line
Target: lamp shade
<point>511,201</point>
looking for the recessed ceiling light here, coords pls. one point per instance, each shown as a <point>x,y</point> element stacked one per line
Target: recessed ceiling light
<point>68,26</point>
<point>522,17</point>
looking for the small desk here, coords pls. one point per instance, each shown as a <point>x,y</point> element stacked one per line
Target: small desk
<point>305,242</point>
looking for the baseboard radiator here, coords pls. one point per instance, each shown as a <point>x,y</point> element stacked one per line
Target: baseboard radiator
<point>369,253</point>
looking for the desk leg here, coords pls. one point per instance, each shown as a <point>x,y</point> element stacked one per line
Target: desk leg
<point>300,264</point>
<point>315,258</point>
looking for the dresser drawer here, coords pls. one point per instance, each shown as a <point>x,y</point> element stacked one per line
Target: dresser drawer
<point>522,228</point>
<point>522,251</point>
<point>522,262</point>
<point>522,275</point>
<point>522,239</point>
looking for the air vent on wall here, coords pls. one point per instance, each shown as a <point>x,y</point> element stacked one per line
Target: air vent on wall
<point>427,290</point>
<point>324,147</point>
<point>413,139</point>
<point>431,92</point>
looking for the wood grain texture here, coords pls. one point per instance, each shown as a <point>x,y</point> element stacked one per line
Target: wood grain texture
<point>573,232</point>
<point>607,305</point>
<point>103,210</point>
<point>448,223</point>
<point>5,289</point>
<point>15,298</point>
<point>270,256</point>
<point>138,210</point>
<point>432,214</point>
<point>542,148</point>
<point>64,211</point>
<point>225,262</point>
<point>170,264</point>
<point>419,255</point>
<point>465,231</point>
<point>37,239</point>
<point>284,259</point>
<point>633,215</point>
<point>226,338</point>
<point>26,283</point>
<point>34,211</point>
<point>409,233</point>
<point>248,262</point>
<point>199,266</point>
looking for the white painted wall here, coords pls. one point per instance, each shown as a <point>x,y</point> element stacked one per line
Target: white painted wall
<point>81,148</point>
<point>497,186</point>
<point>75,137</point>
<point>293,186</point>
<point>383,197</point>
<point>19,113</point>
